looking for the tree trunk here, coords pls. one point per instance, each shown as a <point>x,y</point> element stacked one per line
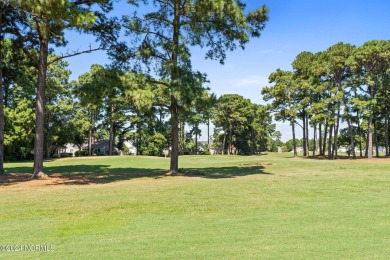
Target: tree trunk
<point>370,122</point>
<point>352,137</point>
<point>208,134</point>
<point>294,140</point>
<point>376,139</point>
<point>320,137</point>
<point>336,132</point>
<point>2,118</point>
<point>253,144</point>
<point>325,136</point>
<point>90,134</point>
<point>360,135</point>
<point>307,136</point>
<point>40,110</point>
<point>304,133</point>
<point>314,138</point>
<point>160,121</point>
<point>196,140</point>
<point>230,141</point>
<point>111,137</point>
<point>138,135</point>
<point>369,136</point>
<point>174,166</point>
<point>223,143</point>
<point>330,142</point>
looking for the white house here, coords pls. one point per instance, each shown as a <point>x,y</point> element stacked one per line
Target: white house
<point>131,147</point>
<point>68,148</point>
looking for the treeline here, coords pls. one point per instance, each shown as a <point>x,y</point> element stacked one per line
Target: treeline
<point>151,75</point>
<point>109,104</point>
<point>342,90</point>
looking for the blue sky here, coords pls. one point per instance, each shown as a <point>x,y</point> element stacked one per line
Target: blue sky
<point>294,26</point>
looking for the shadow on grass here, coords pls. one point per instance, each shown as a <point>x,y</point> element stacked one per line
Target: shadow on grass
<point>343,157</point>
<point>102,174</point>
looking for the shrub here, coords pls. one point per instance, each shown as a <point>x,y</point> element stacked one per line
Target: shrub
<point>285,148</point>
<point>64,155</point>
<point>81,153</point>
<point>156,145</point>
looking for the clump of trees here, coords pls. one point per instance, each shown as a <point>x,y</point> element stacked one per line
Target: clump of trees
<point>150,86</point>
<point>343,86</point>
<point>241,127</point>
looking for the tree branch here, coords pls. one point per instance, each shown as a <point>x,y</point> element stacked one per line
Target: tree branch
<point>68,55</point>
<point>159,82</point>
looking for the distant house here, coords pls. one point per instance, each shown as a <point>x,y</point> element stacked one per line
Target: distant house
<point>67,148</point>
<point>346,149</point>
<point>381,149</point>
<point>213,151</point>
<point>343,148</point>
<point>100,147</point>
<point>298,148</point>
<point>202,146</point>
<point>130,145</point>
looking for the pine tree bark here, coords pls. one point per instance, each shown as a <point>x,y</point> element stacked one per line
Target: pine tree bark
<point>369,137</point>
<point>40,109</point>
<point>304,133</point>
<point>223,143</point>
<point>325,136</point>
<point>336,131</point>
<point>90,134</point>
<point>208,134</point>
<point>376,139</point>
<point>230,141</point>
<point>352,137</point>
<point>360,135</point>
<point>174,166</point>
<point>294,140</point>
<point>307,136</point>
<point>369,128</point>
<point>330,142</point>
<point>196,140</point>
<point>111,138</point>
<point>314,138</point>
<point>320,138</point>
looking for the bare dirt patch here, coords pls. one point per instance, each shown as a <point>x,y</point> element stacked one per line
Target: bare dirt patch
<point>23,180</point>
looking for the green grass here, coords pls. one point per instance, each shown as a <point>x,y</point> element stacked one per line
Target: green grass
<point>124,207</point>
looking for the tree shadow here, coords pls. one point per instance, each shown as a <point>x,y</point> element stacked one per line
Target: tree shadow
<point>225,172</point>
<point>343,157</point>
<point>102,174</point>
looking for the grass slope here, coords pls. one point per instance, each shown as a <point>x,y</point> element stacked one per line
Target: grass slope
<point>124,207</point>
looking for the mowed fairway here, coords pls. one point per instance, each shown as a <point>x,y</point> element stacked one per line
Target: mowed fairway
<point>231,207</point>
